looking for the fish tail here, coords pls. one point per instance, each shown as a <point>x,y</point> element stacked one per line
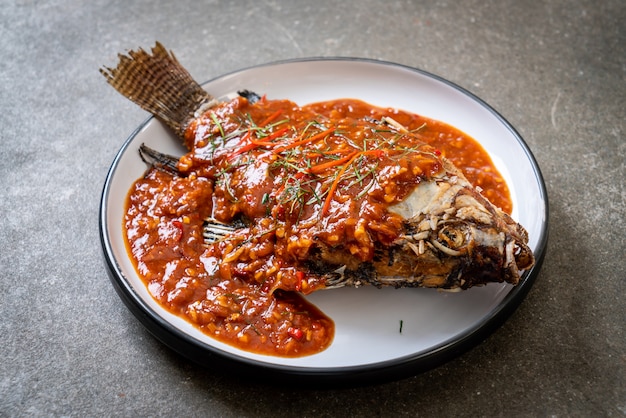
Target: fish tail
<point>160,85</point>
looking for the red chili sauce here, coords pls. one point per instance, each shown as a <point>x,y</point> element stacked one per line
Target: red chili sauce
<point>296,178</point>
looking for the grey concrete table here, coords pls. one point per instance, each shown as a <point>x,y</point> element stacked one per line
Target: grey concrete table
<point>556,70</point>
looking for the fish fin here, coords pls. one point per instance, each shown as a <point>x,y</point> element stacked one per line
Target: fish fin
<point>345,277</point>
<point>250,95</point>
<point>154,158</point>
<point>160,85</point>
<point>214,230</point>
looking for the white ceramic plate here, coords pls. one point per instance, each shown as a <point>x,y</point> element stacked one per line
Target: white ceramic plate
<point>435,325</point>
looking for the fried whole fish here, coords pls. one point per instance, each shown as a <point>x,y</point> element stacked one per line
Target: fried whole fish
<point>303,201</point>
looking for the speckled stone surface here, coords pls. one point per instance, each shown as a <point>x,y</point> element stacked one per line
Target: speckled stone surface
<point>555,69</point>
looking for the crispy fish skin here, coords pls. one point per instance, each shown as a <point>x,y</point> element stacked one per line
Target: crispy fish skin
<point>451,236</point>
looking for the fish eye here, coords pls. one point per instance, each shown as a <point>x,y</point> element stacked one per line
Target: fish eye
<point>453,236</point>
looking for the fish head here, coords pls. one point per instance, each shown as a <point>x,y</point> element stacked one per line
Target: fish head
<point>453,238</point>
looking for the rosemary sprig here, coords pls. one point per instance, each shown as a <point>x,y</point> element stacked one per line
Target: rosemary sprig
<point>306,157</point>
<point>217,122</point>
